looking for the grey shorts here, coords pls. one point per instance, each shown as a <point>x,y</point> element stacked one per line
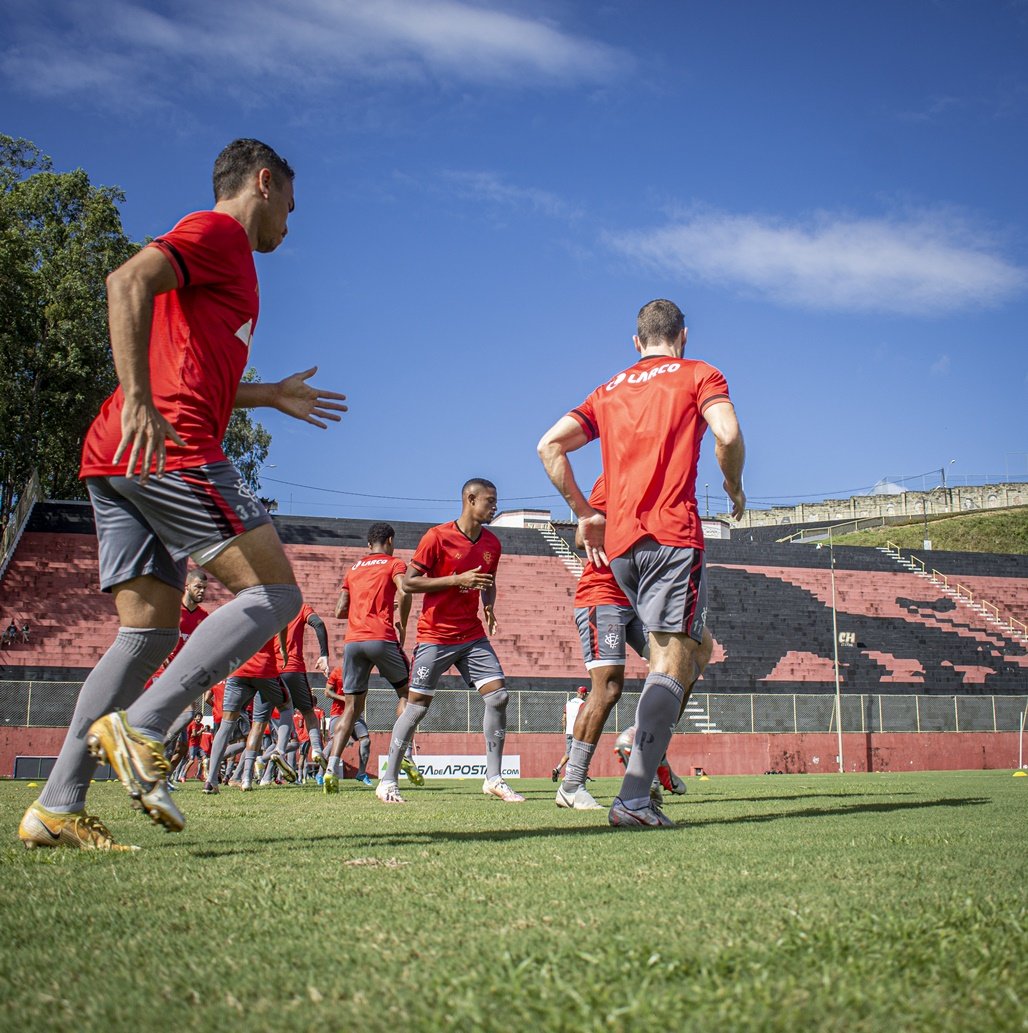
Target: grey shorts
<point>360,657</point>
<point>666,585</point>
<point>299,689</point>
<point>605,630</point>
<point>476,661</point>
<point>153,528</point>
<point>266,693</point>
<point>360,728</point>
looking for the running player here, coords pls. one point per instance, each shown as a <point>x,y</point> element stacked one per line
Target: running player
<point>650,420</point>
<point>606,624</point>
<point>190,618</point>
<point>454,565</point>
<point>571,709</point>
<point>182,313</point>
<point>371,589</point>
<point>294,674</point>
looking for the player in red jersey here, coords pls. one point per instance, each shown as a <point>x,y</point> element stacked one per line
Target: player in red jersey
<point>182,313</point>
<point>455,565</point>
<point>372,589</point>
<point>294,674</point>
<point>190,618</point>
<point>650,420</point>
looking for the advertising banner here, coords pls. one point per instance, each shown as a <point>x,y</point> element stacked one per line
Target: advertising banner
<point>457,766</point>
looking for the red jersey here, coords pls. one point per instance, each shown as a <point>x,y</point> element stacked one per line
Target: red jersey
<point>188,622</point>
<point>302,735</point>
<point>597,586</point>
<point>649,419</point>
<point>334,681</point>
<point>451,616</point>
<point>265,663</point>
<point>199,344</point>
<point>294,639</point>
<point>206,741</point>
<point>370,582</point>
<point>217,701</point>
<point>193,732</point>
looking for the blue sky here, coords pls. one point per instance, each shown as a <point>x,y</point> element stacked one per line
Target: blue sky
<point>488,191</point>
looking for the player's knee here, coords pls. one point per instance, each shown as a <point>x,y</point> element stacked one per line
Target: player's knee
<point>497,699</point>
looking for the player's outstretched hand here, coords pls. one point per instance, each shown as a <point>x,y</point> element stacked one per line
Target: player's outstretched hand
<point>592,530</point>
<point>143,433</point>
<point>295,397</point>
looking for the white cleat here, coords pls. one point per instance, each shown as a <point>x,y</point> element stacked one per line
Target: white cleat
<point>498,788</point>
<point>580,800</point>
<point>389,792</point>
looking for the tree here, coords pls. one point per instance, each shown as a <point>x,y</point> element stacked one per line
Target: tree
<point>247,441</point>
<point>59,238</point>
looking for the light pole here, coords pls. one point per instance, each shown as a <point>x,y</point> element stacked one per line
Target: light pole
<point>835,649</point>
<point>706,492</point>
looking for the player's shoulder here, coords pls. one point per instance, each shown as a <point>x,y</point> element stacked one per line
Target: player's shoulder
<point>488,538</point>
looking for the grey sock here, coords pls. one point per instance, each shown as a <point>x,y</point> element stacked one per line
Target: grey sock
<point>655,719</point>
<point>578,765</point>
<point>113,684</point>
<point>364,752</point>
<point>403,733</point>
<point>494,728</point>
<point>230,635</point>
<point>179,725</point>
<point>218,748</point>
<point>248,758</point>
<point>285,729</point>
<point>315,735</point>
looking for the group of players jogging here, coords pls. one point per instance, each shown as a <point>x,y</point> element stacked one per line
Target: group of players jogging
<point>182,313</point>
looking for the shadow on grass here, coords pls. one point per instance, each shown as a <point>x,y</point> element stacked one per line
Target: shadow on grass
<point>368,837</point>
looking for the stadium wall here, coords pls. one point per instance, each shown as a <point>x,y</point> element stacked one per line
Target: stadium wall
<point>752,754</point>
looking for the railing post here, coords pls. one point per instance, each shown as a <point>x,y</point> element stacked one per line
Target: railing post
<point>956,715</point>
<point>917,713</point>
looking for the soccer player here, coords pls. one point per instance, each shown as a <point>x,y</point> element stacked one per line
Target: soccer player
<point>571,709</point>
<point>294,674</point>
<point>371,589</point>
<point>182,313</point>
<point>257,680</point>
<point>190,618</point>
<point>606,624</point>
<point>454,566</point>
<point>650,419</point>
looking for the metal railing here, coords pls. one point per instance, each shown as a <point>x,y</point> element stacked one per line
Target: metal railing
<point>50,704</point>
<point>19,518</point>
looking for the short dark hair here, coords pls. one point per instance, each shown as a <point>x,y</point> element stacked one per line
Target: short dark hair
<point>476,482</point>
<point>379,534</point>
<point>239,160</point>
<point>196,574</point>
<point>660,320</point>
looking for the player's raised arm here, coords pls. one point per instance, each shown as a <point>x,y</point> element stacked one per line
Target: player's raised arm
<point>294,397</point>
<point>730,450</point>
<point>131,289</point>
<point>565,436</point>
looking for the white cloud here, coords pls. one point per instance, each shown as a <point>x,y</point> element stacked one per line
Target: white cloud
<point>492,188</point>
<point>940,367</point>
<point>122,47</point>
<point>922,264</point>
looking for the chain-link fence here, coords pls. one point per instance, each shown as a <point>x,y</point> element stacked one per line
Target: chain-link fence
<point>50,704</point>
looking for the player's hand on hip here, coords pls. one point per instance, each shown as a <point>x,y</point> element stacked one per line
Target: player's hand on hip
<point>143,433</point>
<point>297,398</point>
<point>593,529</point>
<point>473,579</point>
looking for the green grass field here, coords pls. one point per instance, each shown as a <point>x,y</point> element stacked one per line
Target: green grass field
<point>860,902</point>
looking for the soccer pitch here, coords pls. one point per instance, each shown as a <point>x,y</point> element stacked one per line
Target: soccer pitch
<point>856,902</point>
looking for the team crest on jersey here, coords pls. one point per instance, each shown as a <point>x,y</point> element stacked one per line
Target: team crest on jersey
<point>487,557</point>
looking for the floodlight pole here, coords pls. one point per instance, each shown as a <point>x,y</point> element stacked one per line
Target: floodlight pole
<point>1020,741</point>
<point>835,648</point>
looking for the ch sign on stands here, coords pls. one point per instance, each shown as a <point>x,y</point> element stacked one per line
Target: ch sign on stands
<point>443,766</point>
